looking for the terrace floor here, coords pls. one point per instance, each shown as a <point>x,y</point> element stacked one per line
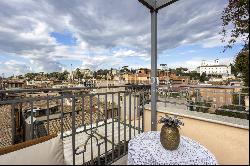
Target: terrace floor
<point>121,161</point>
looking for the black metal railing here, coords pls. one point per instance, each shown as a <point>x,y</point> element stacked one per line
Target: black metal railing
<point>96,124</point>
<point>95,127</point>
<point>221,102</point>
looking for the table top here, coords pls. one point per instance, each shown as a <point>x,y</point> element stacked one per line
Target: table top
<point>146,149</point>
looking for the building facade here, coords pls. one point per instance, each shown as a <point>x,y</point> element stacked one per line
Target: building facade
<point>214,68</point>
<point>87,72</point>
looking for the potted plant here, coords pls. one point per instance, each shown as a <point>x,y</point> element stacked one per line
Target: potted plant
<point>170,136</point>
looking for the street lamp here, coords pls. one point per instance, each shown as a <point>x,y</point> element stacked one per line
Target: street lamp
<point>154,6</point>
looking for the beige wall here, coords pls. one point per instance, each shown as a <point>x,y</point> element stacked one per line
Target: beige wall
<point>230,145</point>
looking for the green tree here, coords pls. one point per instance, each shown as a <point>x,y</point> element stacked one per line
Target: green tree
<point>237,14</point>
<point>232,111</point>
<point>63,76</point>
<point>233,70</point>
<point>242,65</point>
<point>78,74</point>
<point>30,76</point>
<point>180,70</point>
<point>203,77</point>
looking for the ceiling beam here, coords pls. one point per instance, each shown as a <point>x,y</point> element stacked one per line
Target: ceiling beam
<point>150,4</point>
<point>163,3</point>
<point>156,4</point>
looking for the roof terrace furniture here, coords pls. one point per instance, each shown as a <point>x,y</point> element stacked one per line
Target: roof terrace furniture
<point>46,150</point>
<point>146,149</point>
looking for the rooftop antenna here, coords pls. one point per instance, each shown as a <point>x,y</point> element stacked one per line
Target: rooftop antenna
<point>154,6</point>
<point>72,76</point>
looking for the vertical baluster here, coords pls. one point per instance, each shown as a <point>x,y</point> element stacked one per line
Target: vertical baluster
<point>98,116</point>
<point>83,113</point>
<point>139,113</point>
<point>32,123</point>
<point>13,123</point>
<point>62,114</point>
<point>129,116</point>
<point>106,103</point>
<point>143,103</point>
<point>239,99</point>
<point>83,124</point>
<point>125,130</point>
<point>165,94</point>
<point>99,161</point>
<point>225,97</point>
<point>112,115</point>
<point>135,95</point>
<point>73,129</point>
<point>118,116</point>
<point>47,113</point>
<point>91,126</point>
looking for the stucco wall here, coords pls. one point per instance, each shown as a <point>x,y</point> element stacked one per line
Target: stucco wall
<point>230,145</point>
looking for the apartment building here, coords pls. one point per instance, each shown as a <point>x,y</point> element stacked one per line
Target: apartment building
<point>218,95</point>
<point>214,68</point>
<point>13,84</point>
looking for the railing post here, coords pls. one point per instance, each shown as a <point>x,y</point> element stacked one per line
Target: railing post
<point>197,95</point>
<point>91,126</point>
<point>73,129</point>
<point>239,99</point>
<point>62,114</point>
<point>48,113</point>
<point>32,123</point>
<point>13,123</point>
<point>165,95</point>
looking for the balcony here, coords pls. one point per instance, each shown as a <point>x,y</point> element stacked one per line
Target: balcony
<point>96,124</point>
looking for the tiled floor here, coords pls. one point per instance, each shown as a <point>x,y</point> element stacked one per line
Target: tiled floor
<point>121,161</point>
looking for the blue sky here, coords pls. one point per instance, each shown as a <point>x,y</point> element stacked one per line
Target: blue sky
<point>47,36</point>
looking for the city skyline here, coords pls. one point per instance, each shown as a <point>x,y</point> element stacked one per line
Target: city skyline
<point>49,36</point>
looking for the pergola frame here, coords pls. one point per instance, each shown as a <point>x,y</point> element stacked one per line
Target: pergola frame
<point>154,6</point>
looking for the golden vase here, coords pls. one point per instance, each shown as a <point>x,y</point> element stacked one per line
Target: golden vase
<point>170,137</point>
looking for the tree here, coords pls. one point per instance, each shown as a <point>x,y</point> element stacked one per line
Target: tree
<point>233,70</point>
<point>238,111</point>
<point>242,65</point>
<point>203,77</point>
<point>181,70</point>
<point>63,76</point>
<point>236,14</point>
<point>31,76</point>
<point>78,73</point>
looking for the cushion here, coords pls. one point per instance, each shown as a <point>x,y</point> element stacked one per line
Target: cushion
<point>46,153</point>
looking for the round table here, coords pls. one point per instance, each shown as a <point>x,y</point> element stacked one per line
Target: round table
<point>146,149</point>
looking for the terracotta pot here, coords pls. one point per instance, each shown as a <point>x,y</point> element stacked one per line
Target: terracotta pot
<point>170,137</point>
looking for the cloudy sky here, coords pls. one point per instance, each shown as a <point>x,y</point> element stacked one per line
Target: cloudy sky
<point>50,35</point>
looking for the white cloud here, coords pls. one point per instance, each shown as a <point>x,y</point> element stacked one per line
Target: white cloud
<point>99,27</point>
<point>122,53</point>
<point>215,41</point>
<point>14,67</point>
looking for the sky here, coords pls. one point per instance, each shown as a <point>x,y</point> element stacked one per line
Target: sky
<point>50,35</point>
